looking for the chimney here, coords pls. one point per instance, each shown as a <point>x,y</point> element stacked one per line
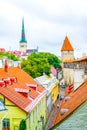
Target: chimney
<point>6,66</point>
<point>19,65</point>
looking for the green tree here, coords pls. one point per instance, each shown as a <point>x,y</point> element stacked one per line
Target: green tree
<point>38,63</point>
<point>9,56</point>
<point>22,125</point>
<point>51,58</point>
<point>35,66</point>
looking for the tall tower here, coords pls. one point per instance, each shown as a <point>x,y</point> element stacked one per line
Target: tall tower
<point>67,51</point>
<point>67,56</point>
<point>23,41</point>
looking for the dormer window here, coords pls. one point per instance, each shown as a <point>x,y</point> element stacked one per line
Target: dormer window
<point>13,79</point>
<point>7,81</point>
<point>2,83</point>
<point>33,86</point>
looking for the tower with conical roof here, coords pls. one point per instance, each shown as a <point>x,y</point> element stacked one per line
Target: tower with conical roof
<point>67,51</point>
<point>23,41</point>
<point>67,56</point>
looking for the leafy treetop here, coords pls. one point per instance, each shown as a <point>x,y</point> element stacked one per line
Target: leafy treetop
<point>9,56</point>
<point>38,63</point>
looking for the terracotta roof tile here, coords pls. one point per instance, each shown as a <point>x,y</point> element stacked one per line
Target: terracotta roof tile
<point>67,45</point>
<point>81,59</point>
<point>76,99</point>
<point>22,79</point>
<point>15,97</point>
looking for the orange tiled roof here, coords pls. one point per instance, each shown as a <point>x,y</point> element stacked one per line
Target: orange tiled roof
<point>81,59</point>
<point>23,77</point>
<point>22,80</point>
<point>76,99</point>
<point>15,97</point>
<point>67,45</point>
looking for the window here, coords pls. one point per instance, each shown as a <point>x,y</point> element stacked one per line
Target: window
<point>2,100</point>
<point>6,124</point>
<point>22,45</point>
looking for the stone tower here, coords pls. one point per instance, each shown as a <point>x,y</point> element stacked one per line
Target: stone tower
<point>67,51</point>
<point>67,56</point>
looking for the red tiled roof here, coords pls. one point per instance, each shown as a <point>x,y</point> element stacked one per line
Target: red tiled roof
<point>67,45</point>
<point>2,49</point>
<point>76,99</point>
<point>22,79</point>
<point>15,97</point>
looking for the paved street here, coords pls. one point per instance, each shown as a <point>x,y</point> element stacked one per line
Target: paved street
<point>54,110</point>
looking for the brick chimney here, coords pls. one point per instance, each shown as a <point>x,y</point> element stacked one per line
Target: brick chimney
<point>6,66</point>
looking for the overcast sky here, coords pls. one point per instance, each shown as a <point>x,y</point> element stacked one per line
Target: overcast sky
<point>47,22</point>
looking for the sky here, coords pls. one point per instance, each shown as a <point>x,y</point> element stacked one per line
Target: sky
<point>47,23</point>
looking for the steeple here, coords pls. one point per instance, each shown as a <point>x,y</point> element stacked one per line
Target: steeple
<point>23,39</point>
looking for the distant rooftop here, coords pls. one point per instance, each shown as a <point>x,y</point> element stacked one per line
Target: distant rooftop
<point>76,121</point>
<point>76,99</point>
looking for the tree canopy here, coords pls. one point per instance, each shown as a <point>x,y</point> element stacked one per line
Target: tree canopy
<point>9,56</point>
<point>22,125</point>
<point>38,63</point>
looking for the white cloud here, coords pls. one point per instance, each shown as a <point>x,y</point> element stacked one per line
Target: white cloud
<point>47,22</point>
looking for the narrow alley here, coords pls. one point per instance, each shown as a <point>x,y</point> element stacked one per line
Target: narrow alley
<point>55,109</point>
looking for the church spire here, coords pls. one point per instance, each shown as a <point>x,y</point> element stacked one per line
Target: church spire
<point>23,39</point>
